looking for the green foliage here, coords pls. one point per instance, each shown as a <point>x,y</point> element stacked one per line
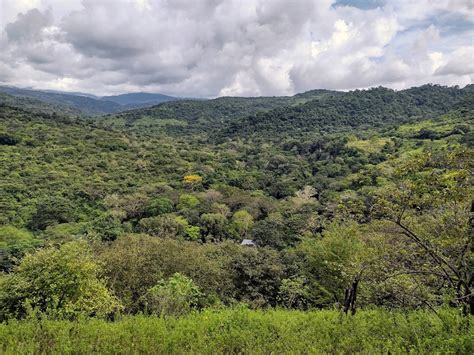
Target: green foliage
<point>194,116</point>
<point>374,107</point>
<point>324,183</point>
<point>51,210</point>
<point>192,232</point>
<point>242,222</point>
<point>161,205</point>
<point>331,261</point>
<point>155,259</point>
<point>188,201</point>
<point>167,225</point>
<point>294,293</point>
<point>60,282</point>
<point>106,227</point>
<point>213,225</point>
<point>239,330</point>
<point>14,243</point>
<point>176,296</point>
<point>273,232</point>
<point>430,205</point>
<point>257,274</point>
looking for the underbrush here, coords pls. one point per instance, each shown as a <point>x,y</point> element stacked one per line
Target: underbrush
<point>241,330</point>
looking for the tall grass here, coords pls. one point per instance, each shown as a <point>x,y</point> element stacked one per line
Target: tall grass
<point>245,331</point>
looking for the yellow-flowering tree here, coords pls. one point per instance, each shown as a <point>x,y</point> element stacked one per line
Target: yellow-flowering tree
<point>192,180</point>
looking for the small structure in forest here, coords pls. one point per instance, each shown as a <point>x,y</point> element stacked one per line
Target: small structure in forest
<point>249,242</point>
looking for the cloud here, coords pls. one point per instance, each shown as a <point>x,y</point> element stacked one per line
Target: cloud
<point>461,62</point>
<point>234,47</point>
<point>28,26</point>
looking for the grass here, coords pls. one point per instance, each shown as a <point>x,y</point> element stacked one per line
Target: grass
<point>245,331</point>
<point>443,124</point>
<point>373,145</point>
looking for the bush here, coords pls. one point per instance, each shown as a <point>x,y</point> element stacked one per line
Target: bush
<point>59,282</point>
<point>176,296</point>
<point>239,330</point>
<point>52,210</point>
<point>159,206</point>
<point>14,243</point>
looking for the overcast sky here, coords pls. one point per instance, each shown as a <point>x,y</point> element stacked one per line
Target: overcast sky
<point>207,48</point>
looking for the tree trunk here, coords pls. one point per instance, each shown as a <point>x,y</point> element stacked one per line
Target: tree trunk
<point>351,297</point>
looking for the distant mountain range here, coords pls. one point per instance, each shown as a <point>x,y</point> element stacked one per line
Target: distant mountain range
<point>322,111</point>
<point>316,110</point>
<point>139,99</point>
<point>90,104</point>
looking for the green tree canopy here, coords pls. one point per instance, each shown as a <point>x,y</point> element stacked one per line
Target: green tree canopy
<point>61,282</point>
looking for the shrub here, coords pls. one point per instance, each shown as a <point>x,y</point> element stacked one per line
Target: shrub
<point>176,296</point>
<point>60,282</point>
<point>14,243</point>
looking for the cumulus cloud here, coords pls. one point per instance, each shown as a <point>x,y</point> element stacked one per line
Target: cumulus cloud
<point>234,47</point>
<point>460,63</point>
<point>28,26</point>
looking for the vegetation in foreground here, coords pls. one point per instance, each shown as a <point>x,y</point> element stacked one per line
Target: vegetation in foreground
<point>244,331</point>
<point>354,201</point>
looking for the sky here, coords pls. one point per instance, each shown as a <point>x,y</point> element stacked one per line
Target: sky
<point>209,48</point>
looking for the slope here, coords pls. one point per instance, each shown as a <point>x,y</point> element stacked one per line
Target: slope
<point>356,109</point>
<point>201,116</point>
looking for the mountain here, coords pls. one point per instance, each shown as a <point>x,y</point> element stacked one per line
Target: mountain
<point>87,105</point>
<point>202,115</point>
<point>310,112</point>
<point>355,109</point>
<point>139,98</point>
<point>90,104</point>
<point>31,104</point>
<point>75,93</point>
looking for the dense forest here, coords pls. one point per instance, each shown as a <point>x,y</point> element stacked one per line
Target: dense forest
<point>85,103</point>
<point>358,204</point>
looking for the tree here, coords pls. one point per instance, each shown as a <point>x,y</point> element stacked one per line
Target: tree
<point>176,296</point>
<point>159,206</point>
<point>106,227</point>
<point>242,222</point>
<point>213,225</point>
<point>52,210</point>
<point>192,232</point>
<point>273,232</point>
<point>134,205</point>
<point>294,293</point>
<point>60,282</point>
<point>429,203</point>
<point>192,180</point>
<point>256,273</point>
<point>331,264</point>
<point>155,259</point>
<point>14,243</point>
<point>188,201</point>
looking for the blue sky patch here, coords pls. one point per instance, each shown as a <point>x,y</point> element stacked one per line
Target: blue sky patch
<point>361,4</point>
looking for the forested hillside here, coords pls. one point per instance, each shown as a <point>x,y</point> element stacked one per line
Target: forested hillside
<point>87,104</point>
<point>351,200</point>
<point>377,107</point>
<point>139,99</point>
<point>37,106</point>
<point>201,116</point>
